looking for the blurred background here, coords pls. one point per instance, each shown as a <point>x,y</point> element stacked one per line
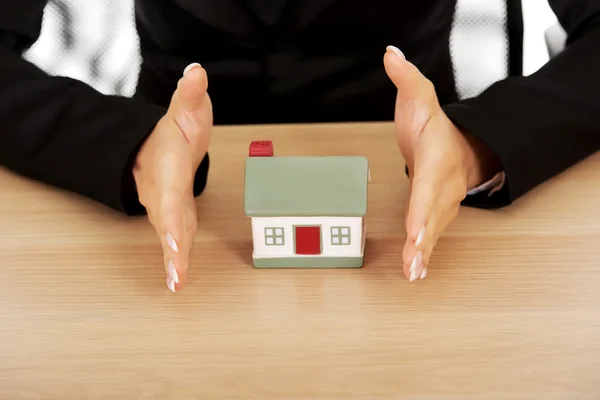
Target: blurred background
<point>105,55</point>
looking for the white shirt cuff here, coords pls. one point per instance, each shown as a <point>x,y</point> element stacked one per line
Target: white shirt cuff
<point>493,185</point>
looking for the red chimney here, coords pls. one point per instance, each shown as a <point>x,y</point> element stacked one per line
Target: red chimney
<point>261,148</point>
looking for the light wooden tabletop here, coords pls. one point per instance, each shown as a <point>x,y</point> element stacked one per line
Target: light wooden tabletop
<point>510,308</point>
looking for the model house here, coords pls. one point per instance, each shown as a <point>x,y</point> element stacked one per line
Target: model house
<point>306,212</point>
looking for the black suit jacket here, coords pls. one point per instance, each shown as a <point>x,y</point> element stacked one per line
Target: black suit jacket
<point>306,61</point>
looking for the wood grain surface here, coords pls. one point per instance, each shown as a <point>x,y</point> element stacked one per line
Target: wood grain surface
<point>510,308</point>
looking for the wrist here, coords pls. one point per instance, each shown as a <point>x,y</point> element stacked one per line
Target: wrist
<point>136,165</point>
<point>130,183</point>
<point>142,158</point>
<point>482,163</point>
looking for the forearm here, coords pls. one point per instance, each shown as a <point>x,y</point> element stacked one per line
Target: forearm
<point>63,132</point>
<point>542,124</point>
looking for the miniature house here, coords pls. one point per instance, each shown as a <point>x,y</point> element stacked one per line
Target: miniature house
<point>306,212</point>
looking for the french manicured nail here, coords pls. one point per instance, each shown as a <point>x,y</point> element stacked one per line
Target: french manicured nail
<point>190,67</point>
<point>397,51</point>
<point>413,276</point>
<point>172,272</point>
<point>424,273</point>
<point>171,284</point>
<point>416,268</point>
<point>420,236</point>
<point>171,242</point>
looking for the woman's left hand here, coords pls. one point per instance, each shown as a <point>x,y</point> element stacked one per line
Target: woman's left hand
<point>443,161</point>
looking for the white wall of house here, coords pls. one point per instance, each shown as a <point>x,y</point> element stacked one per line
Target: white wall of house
<point>262,250</point>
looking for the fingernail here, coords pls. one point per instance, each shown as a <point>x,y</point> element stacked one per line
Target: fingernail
<point>420,236</point>
<point>397,51</point>
<point>416,268</point>
<point>416,261</point>
<point>424,273</point>
<point>171,285</point>
<point>172,272</point>
<point>190,67</point>
<point>171,242</point>
<point>413,276</point>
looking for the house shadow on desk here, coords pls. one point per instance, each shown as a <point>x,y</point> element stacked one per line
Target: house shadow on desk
<point>233,234</point>
<point>241,250</point>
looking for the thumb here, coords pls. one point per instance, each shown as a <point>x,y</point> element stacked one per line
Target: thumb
<point>416,100</point>
<point>191,108</point>
<point>405,76</point>
<point>412,85</point>
<point>191,88</point>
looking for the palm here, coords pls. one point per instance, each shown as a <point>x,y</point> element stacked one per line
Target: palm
<point>432,148</point>
<point>169,159</point>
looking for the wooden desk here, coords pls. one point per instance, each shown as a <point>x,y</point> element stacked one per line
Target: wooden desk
<point>510,309</point>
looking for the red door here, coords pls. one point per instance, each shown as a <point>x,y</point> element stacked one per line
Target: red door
<point>308,240</point>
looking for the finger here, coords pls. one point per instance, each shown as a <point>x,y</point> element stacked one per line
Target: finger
<point>443,216</point>
<point>415,252</point>
<point>430,173</point>
<point>171,230</point>
<point>407,204</point>
<point>417,256</point>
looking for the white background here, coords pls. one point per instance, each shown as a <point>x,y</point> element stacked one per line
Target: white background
<point>538,17</point>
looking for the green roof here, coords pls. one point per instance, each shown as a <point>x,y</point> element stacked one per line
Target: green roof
<point>306,186</point>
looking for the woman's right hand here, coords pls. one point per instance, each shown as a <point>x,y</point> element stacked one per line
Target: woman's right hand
<point>166,166</point>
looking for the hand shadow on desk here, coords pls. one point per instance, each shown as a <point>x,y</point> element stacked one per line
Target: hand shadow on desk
<point>227,232</point>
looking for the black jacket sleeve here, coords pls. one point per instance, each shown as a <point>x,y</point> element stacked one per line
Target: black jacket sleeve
<point>542,124</point>
<point>61,131</point>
